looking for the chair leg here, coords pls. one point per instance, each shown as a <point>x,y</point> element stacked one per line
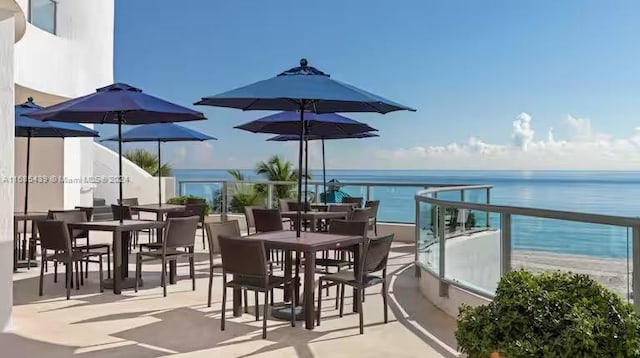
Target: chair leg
<point>192,269</point>
<point>264,314</point>
<point>293,306</point>
<point>361,313</point>
<point>138,272</point>
<point>108,261</point>
<point>164,277</point>
<point>224,299</point>
<point>271,298</point>
<point>337,296</point>
<point>78,264</point>
<point>384,298</point>
<point>55,271</point>
<point>342,299</point>
<point>210,286</point>
<point>68,278</point>
<point>100,274</point>
<point>246,301</point>
<point>81,272</point>
<point>257,305</point>
<point>319,302</point>
<point>42,265</point>
<point>203,237</point>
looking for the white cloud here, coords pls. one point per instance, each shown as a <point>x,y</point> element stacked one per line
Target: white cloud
<point>583,149</point>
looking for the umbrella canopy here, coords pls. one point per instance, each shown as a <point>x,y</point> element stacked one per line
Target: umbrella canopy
<point>326,124</point>
<point>29,127</point>
<point>119,104</point>
<point>160,132</point>
<point>302,89</point>
<point>291,137</point>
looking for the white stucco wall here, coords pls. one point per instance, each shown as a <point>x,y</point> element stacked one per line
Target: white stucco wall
<point>51,68</point>
<point>140,184</point>
<point>7,28</point>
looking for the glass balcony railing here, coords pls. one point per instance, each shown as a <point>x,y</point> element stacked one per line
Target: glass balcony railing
<point>504,238</point>
<point>42,14</point>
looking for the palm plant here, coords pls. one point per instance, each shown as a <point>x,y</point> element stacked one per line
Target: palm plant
<point>278,169</point>
<point>244,194</point>
<point>148,161</point>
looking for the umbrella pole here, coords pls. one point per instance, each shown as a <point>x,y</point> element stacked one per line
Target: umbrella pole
<point>159,177</point>
<point>120,179</point>
<point>298,218</point>
<point>306,172</point>
<point>26,186</point>
<point>324,175</point>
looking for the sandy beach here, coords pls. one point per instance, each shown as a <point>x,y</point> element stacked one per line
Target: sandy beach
<point>613,273</point>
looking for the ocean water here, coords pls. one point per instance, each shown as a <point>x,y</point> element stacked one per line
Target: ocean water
<point>600,192</point>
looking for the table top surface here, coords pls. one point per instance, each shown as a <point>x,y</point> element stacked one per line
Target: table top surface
<point>20,215</point>
<point>308,241</point>
<point>316,214</point>
<point>323,205</point>
<point>116,225</point>
<point>158,208</point>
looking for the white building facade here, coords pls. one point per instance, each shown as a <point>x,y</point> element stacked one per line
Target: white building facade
<point>51,51</point>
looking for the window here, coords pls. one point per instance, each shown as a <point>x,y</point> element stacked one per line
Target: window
<point>42,14</point>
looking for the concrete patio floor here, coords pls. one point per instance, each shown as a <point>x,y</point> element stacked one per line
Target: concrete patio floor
<point>145,324</point>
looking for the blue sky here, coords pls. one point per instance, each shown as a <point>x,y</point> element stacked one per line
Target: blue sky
<point>469,67</point>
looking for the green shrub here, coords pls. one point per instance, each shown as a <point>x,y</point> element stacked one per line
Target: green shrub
<point>550,315</point>
<point>181,200</point>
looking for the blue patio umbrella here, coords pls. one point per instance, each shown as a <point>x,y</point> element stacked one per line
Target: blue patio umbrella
<point>292,137</point>
<point>119,104</point>
<point>324,124</point>
<point>303,89</point>
<point>161,132</point>
<point>33,128</point>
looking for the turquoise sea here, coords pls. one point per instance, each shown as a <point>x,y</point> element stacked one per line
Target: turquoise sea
<point>601,192</point>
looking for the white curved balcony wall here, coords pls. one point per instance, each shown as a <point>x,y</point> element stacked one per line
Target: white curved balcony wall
<point>51,68</point>
<point>7,37</point>
<point>138,183</point>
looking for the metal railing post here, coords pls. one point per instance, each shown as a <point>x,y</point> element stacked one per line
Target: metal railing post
<point>444,287</point>
<point>418,231</point>
<point>635,279</point>
<point>270,196</point>
<point>223,210</point>
<point>317,196</point>
<point>505,244</point>
<point>488,201</point>
<point>368,193</point>
<point>180,188</point>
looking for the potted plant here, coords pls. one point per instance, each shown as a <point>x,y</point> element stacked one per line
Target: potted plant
<point>551,314</point>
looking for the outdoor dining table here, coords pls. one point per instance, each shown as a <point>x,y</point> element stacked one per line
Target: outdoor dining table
<point>309,243</point>
<point>121,236</point>
<point>315,216</point>
<point>325,207</point>
<point>160,210</point>
<point>20,251</point>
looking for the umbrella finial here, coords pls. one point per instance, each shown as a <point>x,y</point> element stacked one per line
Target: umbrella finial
<point>303,62</point>
<point>30,99</point>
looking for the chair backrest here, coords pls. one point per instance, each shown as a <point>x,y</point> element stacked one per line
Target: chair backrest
<point>267,220</point>
<point>121,212</point>
<point>180,232</point>
<point>293,206</point>
<point>374,205</point>
<point>248,215</point>
<point>181,214</point>
<point>354,200</point>
<point>215,229</point>
<point>376,253</point>
<point>243,256</point>
<point>197,208</point>
<point>195,201</point>
<point>88,210</point>
<point>350,228</point>
<point>54,235</point>
<point>70,216</point>
<point>129,201</point>
<point>284,204</point>
<point>363,214</point>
